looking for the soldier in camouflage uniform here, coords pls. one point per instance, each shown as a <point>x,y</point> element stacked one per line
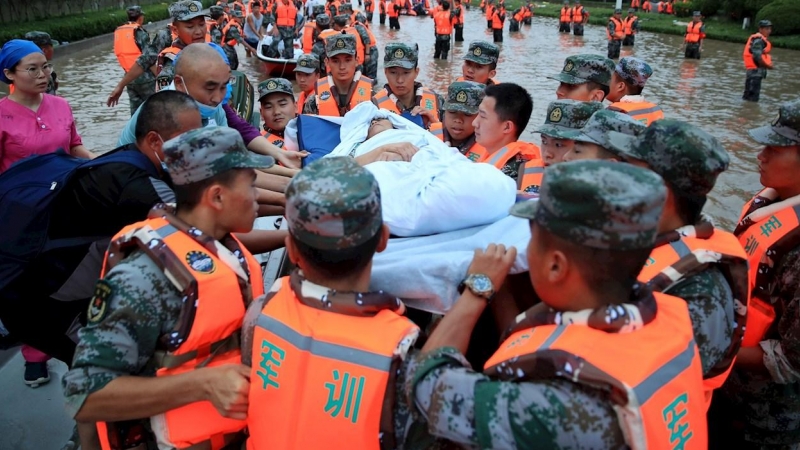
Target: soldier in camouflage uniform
<point>480,63</point>
<point>585,209</point>
<point>402,93</point>
<point>341,44</point>
<point>215,29</point>
<point>318,49</point>
<point>614,29</point>
<point>591,141</point>
<point>690,160</point>
<point>564,118</point>
<point>45,42</point>
<point>757,53</point>
<point>278,107</point>
<point>585,78</point>
<point>333,209</point>
<point>460,108</point>
<point>143,87</point>
<point>233,36</point>
<point>759,407</point>
<point>136,305</point>
<point>371,57</point>
<point>283,34</point>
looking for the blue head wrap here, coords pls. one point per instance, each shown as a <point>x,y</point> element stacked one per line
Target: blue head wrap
<point>13,51</point>
<point>224,58</point>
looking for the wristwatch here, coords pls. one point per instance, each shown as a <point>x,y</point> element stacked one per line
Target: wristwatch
<point>479,284</point>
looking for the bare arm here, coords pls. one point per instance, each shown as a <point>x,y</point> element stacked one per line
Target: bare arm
<point>81,151</point>
<point>288,158</point>
<point>135,72</point>
<point>262,241</point>
<point>272,182</point>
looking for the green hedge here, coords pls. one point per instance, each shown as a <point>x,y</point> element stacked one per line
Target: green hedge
<point>76,28</point>
<point>785,17</point>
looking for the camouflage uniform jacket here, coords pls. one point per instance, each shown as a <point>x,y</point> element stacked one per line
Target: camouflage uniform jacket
<point>216,33</point>
<point>168,66</point>
<point>310,106</point>
<point>362,33</point>
<point>142,39</point>
<point>234,34</point>
<point>770,406</point>
<point>511,168</point>
<point>151,49</point>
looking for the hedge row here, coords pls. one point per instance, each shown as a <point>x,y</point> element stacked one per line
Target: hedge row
<point>78,27</point>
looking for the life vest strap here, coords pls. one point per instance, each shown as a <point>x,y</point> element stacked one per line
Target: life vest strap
<point>168,360</point>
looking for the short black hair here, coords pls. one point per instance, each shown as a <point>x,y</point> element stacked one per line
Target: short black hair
<point>689,208</point>
<point>445,5</point>
<point>594,85</point>
<point>187,196</point>
<point>159,111</point>
<point>333,263</point>
<point>612,272</point>
<point>512,102</point>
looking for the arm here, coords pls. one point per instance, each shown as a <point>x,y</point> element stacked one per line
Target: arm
<point>81,152</point>
<point>263,241</point>
<point>757,50</point>
<point>235,34</point>
<point>135,72</point>
<point>259,144</point>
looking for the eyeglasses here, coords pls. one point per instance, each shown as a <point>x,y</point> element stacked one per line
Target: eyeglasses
<point>34,72</point>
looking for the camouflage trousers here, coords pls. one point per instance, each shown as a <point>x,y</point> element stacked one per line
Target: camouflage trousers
<point>629,40</point>
<point>459,29</point>
<point>371,67</point>
<point>752,84</point>
<point>233,58</point>
<point>577,29</point>
<point>692,51</point>
<point>563,27</point>
<point>382,18</point>
<point>287,36</point>
<point>140,90</point>
<point>614,47</point>
<point>442,46</point>
<point>513,26</point>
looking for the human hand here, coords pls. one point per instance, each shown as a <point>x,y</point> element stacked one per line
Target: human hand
<point>227,388</point>
<point>405,150</point>
<point>426,113</point>
<point>291,159</point>
<point>494,262</point>
<point>389,156</point>
<point>113,98</point>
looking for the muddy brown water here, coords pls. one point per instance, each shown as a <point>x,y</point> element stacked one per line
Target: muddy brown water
<point>706,92</point>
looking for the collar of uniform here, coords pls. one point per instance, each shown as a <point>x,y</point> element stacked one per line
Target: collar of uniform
<point>632,99</point>
<point>418,91</point>
<point>350,303</point>
<point>273,132</point>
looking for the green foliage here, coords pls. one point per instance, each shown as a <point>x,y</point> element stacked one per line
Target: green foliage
<point>684,9</point>
<point>707,7</point>
<point>785,17</point>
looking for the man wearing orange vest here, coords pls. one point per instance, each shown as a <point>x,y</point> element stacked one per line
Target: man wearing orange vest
<point>565,20</point>
<point>580,17</point>
<point>527,17</point>
<point>563,120</point>
<point>647,6</point>
<point>232,34</point>
<point>585,78</point>
<point>488,11</point>
<point>162,339</point>
<point>591,141</point>
<point>394,7</point>
<point>630,25</point>
<point>627,83</point>
<point>635,4</point>
<point>443,22</point>
<point>480,63</point>
<point>402,94</point>
<point>324,31</point>
<point>759,396</point>
<point>459,112</point>
<point>693,260</point>
<point>693,40</point>
<point>615,31</point>
<point>283,20</point>
<point>344,87</point>
<point>130,41</point>
<point>320,334</point>
<point>757,60</point>
<point>306,73</point>
<point>382,7</point>
<point>278,107</point>
<point>341,24</point>
<point>216,23</point>
<point>370,45</point>
<point>498,19</point>
<point>595,331</point>
<point>369,9</point>
<point>310,29</point>
<point>502,117</point>
<point>458,13</point>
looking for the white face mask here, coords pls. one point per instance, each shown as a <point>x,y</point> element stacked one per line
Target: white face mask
<point>155,153</point>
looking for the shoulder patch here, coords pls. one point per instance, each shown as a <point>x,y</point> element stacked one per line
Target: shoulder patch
<point>98,306</point>
<point>200,262</point>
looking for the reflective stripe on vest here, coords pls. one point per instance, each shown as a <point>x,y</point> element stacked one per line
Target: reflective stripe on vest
<point>273,139</point>
<point>166,53</point>
<point>286,14</point>
<point>328,371</point>
<point>125,47</point>
<point>619,32</point>
<point>644,112</point>
<point>747,56</point>
<point>654,372</point>
<point>693,33</point>
<point>671,263</point>
<point>531,175</point>
<point>212,340</point>
<point>437,129</point>
<point>327,105</point>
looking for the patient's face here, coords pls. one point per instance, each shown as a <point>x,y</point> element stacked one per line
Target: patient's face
<point>459,125</point>
<point>377,126</point>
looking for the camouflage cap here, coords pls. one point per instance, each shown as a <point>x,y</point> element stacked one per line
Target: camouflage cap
<point>565,116</point>
<point>465,97</point>
<point>237,14</point>
<point>205,152</point>
<point>360,17</point>
<point>340,43</point>
<point>579,69</point>
<point>784,130</point>
<point>633,71</point>
<point>40,38</point>
<point>482,52</point>
<point>601,123</point>
<point>696,14</point>
<point>216,11</point>
<point>618,11</point>
<point>273,85</point>
<point>307,63</point>
<point>688,158</point>
<point>185,10</point>
<point>402,55</point>
<point>323,20</point>
<point>317,10</point>
<point>631,10</point>
<point>134,11</point>
<point>598,204</point>
<point>341,19</point>
<point>764,24</point>
<point>333,204</point>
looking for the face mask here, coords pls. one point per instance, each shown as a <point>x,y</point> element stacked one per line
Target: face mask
<point>163,164</point>
<point>206,112</point>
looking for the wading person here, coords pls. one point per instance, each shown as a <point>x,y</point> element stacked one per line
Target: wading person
<point>757,60</point>
<point>130,43</point>
<point>693,39</point>
<point>615,31</point>
<point>625,92</point>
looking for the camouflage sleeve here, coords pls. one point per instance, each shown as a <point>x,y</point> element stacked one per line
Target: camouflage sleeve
<point>310,107</point>
<point>273,15</point>
<point>168,69</point>
<point>142,38</point>
<point>782,355</point>
<point>133,305</point>
<point>757,49</point>
<point>611,27</point>
<point>233,33</point>
<point>149,56</point>
<point>710,303</point>
<point>364,36</point>
<point>636,25</point>
<point>472,410</point>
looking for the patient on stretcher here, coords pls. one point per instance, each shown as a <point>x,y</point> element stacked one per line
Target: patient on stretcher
<point>399,151</point>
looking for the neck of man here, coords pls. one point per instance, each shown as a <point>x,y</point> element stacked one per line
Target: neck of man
<point>500,144</point>
<point>204,220</point>
<point>27,99</point>
<point>788,192</point>
<point>358,282</point>
<point>407,100</point>
<point>586,298</point>
<point>670,219</point>
<point>343,87</point>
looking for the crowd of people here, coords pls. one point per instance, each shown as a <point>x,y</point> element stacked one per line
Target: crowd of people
<point>640,324</point>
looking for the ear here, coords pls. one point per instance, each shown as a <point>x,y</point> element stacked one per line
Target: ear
<point>7,72</point>
<point>597,95</point>
<point>509,127</point>
<point>153,141</point>
<point>384,240</point>
<point>492,73</point>
<point>291,250</point>
<point>214,196</point>
<point>558,266</point>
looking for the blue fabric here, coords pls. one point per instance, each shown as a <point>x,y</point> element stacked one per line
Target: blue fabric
<point>13,51</point>
<point>416,119</point>
<point>317,136</point>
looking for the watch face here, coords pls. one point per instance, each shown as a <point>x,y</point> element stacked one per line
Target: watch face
<point>482,284</point>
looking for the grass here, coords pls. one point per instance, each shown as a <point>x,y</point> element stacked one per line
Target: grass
<point>716,28</point>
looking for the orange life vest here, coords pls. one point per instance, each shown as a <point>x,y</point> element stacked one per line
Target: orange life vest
<point>329,372</point>
<point>286,14</point>
<point>497,22</point>
<point>381,7</point>
<point>644,112</point>
<point>489,82</point>
<point>228,26</point>
<point>273,139</point>
<point>627,24</point>
<point>619,31</point>
<point>214,337</point>
<point>669,8</point>
<point>125,45</point>
<point>437,129</point>
<point>489,11</point>
<point>326,33</point>
<point>749,61</point>
<point>428,100</point>
<point>527,12</point>
<point>327,104</point>
<point>369,6</point>
<point>577,14</point>
<point>301,101</point>
<point>635,3</point>
<point>391,6</point>
<point>733,264</point>
<point>372,41</point>
<point>530,176</point>
<point>308,36</point>
<point>360,51</point>
<point>566,14</point>
<point>765,241</point>
<point>168,53</point>
<point>654,372</point>
<point>693,33</point>
<point>443,23</point>
<point>647,6</point>
<point>504,155</point>
<point>662,7</point>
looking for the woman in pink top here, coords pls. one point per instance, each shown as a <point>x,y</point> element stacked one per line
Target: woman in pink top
<point>32,122</point>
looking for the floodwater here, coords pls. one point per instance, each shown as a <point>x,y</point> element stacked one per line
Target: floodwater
<point>705,92</point>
